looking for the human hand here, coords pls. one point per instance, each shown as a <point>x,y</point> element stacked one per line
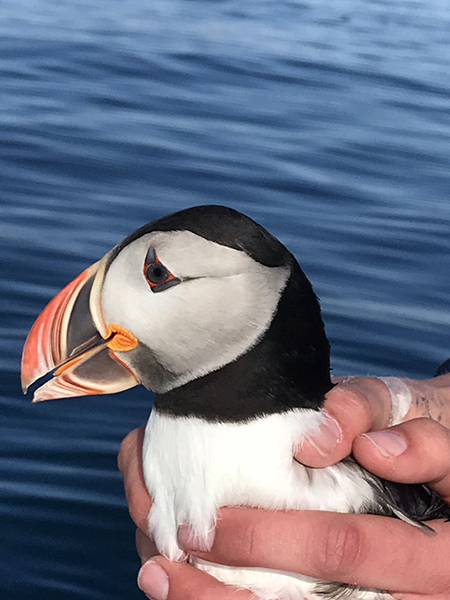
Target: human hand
<point>361,404</point>
<point>371,551</point>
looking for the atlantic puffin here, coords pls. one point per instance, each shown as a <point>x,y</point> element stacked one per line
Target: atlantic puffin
<point>210,311</point>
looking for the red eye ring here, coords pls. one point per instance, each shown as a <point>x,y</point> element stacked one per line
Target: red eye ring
<point>158,276</point>
<point>156,273</point>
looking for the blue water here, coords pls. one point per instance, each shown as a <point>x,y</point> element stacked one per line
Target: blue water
<point>327,121</point>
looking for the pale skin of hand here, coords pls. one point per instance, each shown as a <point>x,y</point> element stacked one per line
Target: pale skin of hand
<point>371,551</point>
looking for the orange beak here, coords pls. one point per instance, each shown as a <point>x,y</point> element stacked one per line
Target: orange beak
<point>71,336</point>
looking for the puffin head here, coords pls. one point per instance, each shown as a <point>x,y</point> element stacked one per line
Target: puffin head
<point>180,299</point>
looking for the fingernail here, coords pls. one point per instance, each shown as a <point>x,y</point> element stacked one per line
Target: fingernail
<point>192,541</point>
<point>153,581</point>
<point>328,437</point>
<point>390,444</point>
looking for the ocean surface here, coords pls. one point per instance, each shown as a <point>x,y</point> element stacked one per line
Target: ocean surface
<point>328,121</point>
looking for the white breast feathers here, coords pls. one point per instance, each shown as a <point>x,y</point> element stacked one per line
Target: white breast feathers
<point>193,467</point>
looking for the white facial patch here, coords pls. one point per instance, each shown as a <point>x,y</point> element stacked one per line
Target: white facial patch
<point>223,305</point>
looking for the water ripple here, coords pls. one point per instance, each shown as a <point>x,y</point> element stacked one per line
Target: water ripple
<point>327,122</point>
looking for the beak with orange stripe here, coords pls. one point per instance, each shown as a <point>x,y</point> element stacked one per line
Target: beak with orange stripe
<point>71,339</point>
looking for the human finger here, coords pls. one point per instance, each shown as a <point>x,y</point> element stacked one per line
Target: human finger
<point>402,596</point>
<point>354,406</point>
<point>130,465</point>
<point>417,451</point>
<point>146,547</point>
<point>367,550</point>
<point>430,398</point>
<point>161,579</point>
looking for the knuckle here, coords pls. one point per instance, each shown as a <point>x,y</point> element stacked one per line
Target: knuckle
<point>367,402</point>
<point>350,408</point>
<point>343,550</point>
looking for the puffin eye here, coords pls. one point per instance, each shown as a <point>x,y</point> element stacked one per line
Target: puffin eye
<point>157,275</point>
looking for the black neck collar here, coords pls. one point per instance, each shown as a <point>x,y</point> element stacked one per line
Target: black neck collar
<point>288,368</point>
